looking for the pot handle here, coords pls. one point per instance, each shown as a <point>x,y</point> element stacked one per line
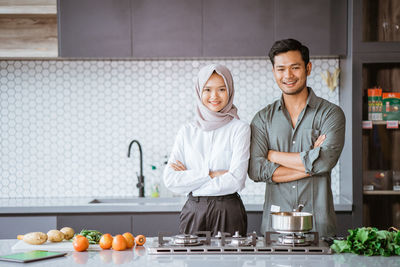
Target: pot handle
<point>299,208</point>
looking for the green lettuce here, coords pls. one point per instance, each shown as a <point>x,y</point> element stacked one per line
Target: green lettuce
<point>369,241</point>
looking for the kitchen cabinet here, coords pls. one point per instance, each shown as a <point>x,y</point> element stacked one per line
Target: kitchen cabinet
<point>192,28</point>
<point>11,226</point>
<point>319,24</point>
<point>378,26</point>
<point>237,28</point>
<point>105,223</point>
<point>166,28</point>
<point>151,224</point>
<point>94,28</point>
<point>376,144</point>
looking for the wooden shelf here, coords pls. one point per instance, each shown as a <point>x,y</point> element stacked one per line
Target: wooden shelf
<point>18,7</point>
<point>28,29</point>
<point>368,124</point>
<point>381,192</point>
<point>28,37</point>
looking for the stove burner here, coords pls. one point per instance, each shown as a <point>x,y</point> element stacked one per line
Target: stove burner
<point>185,239</point>
<point>238,240</point>
<point>292,239</point>
<point>237,244</point>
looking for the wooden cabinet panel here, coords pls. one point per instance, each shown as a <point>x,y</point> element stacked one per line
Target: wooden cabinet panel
<point>28,36</point>
<point>166,28</point>
<point>319,24</point>
<point>95,28</point>
<point>237,28</point>
<point>28,7</point>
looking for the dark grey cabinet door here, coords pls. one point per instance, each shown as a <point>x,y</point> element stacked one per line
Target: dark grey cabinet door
<point>150,224</point>
<point>319,24</point>
<point>106,223</point>
<point>94,28</point>
<point>237,28</point>
<point>11,226</point>
<point>166,28</point>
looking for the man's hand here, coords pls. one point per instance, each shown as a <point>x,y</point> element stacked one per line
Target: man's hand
<point>178,166</point>
<point>319,141</point>
<point>217,173</point>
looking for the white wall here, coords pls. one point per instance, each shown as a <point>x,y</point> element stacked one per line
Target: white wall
<point>65,126</point>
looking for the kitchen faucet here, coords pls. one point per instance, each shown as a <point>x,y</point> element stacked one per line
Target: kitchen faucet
<point>140,177</point>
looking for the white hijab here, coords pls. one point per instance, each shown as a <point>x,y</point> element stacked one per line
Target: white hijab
<point>206,119</point>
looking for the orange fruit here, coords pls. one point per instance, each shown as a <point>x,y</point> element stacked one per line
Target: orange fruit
<point>119,243</point>
<point>140,240</point>
<point>130,239</point>
<point>106,241</point>
<point>80,243</point>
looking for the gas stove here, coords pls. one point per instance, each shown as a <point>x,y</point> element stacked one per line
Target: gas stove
<point>223,243</point>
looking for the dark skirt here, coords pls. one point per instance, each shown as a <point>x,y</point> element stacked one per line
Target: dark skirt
<point>213,213</point>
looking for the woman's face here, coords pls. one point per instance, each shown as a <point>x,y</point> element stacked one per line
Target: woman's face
<point>215,94</point>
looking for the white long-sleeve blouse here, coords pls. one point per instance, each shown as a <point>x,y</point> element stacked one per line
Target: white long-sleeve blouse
<point>226,148</point>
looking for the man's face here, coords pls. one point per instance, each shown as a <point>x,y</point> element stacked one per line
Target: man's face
<point>290,72</point>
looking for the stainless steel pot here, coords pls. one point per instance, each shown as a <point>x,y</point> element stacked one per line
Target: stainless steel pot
<point>292,222</point>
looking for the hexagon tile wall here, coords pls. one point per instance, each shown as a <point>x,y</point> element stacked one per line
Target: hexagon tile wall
<point>66,125</point>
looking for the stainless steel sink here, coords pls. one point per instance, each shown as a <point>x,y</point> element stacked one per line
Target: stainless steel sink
<point>139,200</point>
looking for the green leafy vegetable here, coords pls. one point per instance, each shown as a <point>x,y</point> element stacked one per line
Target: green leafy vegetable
<point>369,241</point>
<point>93,236</point>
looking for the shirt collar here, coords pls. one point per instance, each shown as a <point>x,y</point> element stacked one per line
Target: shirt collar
<point>311,99</point>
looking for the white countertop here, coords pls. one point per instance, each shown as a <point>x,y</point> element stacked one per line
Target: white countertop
<point>123,205</point>
<point>138,257</point>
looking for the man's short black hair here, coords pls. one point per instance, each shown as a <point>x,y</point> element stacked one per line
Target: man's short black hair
<point>283,46</point>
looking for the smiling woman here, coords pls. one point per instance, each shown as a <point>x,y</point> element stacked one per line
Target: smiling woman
<point>210,157</point>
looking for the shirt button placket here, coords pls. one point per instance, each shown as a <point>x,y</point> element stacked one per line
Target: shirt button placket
<point>211,141</point>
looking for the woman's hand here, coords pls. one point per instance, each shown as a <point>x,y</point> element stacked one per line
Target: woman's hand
<point>217,173</point>
<point>319,141</point>
<point>178,166</point>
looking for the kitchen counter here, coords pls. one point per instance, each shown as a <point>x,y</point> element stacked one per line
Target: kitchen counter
<point>123,205</point>
<point>139,257</point>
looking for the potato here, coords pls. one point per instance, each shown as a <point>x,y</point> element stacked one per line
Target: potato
<point>68,232</point>
<point>35,238</point>
<point>55,236</point>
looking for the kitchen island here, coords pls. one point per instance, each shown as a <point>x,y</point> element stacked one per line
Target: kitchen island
<point>139,257</point>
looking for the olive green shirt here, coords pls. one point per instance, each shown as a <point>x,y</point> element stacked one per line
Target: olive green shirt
<point>272,129</point>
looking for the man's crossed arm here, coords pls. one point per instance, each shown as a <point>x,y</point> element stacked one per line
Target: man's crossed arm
<point>291,166</point>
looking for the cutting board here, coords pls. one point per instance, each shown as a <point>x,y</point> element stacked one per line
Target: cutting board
<point>50,246</point>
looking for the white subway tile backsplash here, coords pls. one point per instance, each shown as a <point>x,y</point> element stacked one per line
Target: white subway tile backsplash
<point>65,126</point>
